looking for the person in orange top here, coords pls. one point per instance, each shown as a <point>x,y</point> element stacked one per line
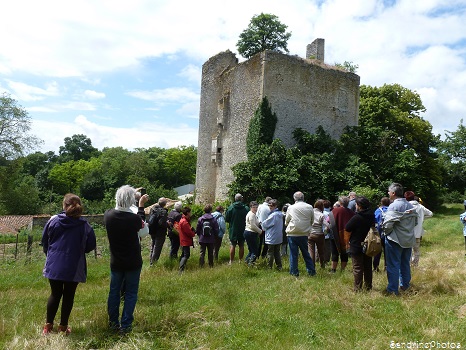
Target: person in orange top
<point>186,237</point>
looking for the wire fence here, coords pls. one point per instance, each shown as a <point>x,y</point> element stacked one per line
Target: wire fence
<point>27,245</point>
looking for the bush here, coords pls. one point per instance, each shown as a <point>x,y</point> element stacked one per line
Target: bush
<point>452,197</point>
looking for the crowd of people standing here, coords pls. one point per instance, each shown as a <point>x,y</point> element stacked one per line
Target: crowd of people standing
<point>323,233</point>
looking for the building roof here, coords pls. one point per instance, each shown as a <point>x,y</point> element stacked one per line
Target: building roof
<point>12,224</point>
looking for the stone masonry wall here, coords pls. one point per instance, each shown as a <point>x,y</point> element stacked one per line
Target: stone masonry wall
<point>303,93</point>
<point>306,95</point>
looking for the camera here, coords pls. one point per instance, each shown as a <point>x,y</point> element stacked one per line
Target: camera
<point>143,191</point>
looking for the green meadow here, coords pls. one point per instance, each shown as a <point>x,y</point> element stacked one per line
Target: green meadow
<point>236,307</point>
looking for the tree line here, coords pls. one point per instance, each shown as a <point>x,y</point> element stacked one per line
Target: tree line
<point>392,143</point>
<point>35,183</point>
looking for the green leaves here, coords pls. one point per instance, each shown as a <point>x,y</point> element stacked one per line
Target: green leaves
<point>264,32</point>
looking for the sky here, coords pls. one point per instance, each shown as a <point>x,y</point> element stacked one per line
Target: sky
<point>127,73</point>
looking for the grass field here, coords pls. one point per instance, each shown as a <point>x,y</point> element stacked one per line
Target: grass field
<point>236,307</point>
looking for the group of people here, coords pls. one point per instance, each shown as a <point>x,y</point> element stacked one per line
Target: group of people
<point>320,232</point>
<point>323,232</point>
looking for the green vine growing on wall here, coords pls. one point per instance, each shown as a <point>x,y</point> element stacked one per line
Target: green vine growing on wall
<point>261,127</point>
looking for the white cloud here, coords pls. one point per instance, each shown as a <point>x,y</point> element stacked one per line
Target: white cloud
<point>192,73</point>
<point>93,95</point>
<point>166,95</point>
<point>143,135</point>
<point>416,43</point>
<point>26,92</point>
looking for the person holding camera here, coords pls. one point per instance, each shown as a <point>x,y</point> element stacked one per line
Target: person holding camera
<point>124,229</point>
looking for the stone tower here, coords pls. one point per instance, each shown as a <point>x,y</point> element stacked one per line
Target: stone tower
<point>304,93</point>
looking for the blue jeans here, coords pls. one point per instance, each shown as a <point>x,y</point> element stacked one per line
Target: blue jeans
<point>131,280</point>
<point>295,243</point>
<point>253,245</point>
<point>398,269</point>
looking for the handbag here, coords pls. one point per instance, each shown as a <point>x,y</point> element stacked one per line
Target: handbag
<point>372,244</point>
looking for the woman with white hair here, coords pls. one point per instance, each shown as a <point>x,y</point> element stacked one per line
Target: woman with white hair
<point>124,228</point>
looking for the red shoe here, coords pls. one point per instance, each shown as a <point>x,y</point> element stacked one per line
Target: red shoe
<point>48,328</point>
<point>64,329</point>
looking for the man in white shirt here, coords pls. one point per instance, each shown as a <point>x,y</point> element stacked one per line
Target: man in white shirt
<point>262,214</point>
<point>299,219</point>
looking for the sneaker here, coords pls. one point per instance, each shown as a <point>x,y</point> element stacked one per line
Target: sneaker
<point>48,328</point>
<point>64,329</point>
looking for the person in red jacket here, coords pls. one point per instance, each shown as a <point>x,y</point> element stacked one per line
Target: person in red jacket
<point>186,237</point>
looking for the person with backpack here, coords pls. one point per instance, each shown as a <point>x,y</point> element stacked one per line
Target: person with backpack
<point>222,228</point>
<point>158,225</point>
<point>207,229</point>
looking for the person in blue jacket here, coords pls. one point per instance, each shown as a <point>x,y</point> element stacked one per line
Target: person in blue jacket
<point>273,227</point>
<point>65,240</point>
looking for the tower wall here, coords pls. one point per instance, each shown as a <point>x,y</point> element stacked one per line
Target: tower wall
<point>304,93</point>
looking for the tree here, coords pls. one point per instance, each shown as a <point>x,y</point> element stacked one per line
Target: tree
<point>347,66</point>
<point>180,163</point>
<point>77,147</point>
<point>15,124</point>
<point>453,160</point>
<point>270,171</point>
<point>261,127</point>
<point>69,176</point>
<point>454,145</point>
<point>394,141</point>
<point>18,191</point>
<point>264,32</point>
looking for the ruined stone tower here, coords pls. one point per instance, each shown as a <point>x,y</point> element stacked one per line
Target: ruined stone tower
<point>304,93</point>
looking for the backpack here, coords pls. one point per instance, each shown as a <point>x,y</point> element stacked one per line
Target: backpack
<point>206,228</point>
<point>372,244</point>
<point>157,217</point>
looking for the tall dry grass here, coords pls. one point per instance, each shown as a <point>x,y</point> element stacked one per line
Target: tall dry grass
<point>236,307</point>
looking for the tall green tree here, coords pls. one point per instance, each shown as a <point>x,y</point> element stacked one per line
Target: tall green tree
<point>453,160</point>
<point>19,194</point>
<point>270,171</point>
<point>454,145</point>
<point>264,32</point>
<point>395,142</point>
<point>180,163</point>
<point>15,125</point>
<point>77,147</point>
<point>69,176</point>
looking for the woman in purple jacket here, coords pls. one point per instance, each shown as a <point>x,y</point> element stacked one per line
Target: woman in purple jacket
<point>207,229</point>
<point>66,239</point>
